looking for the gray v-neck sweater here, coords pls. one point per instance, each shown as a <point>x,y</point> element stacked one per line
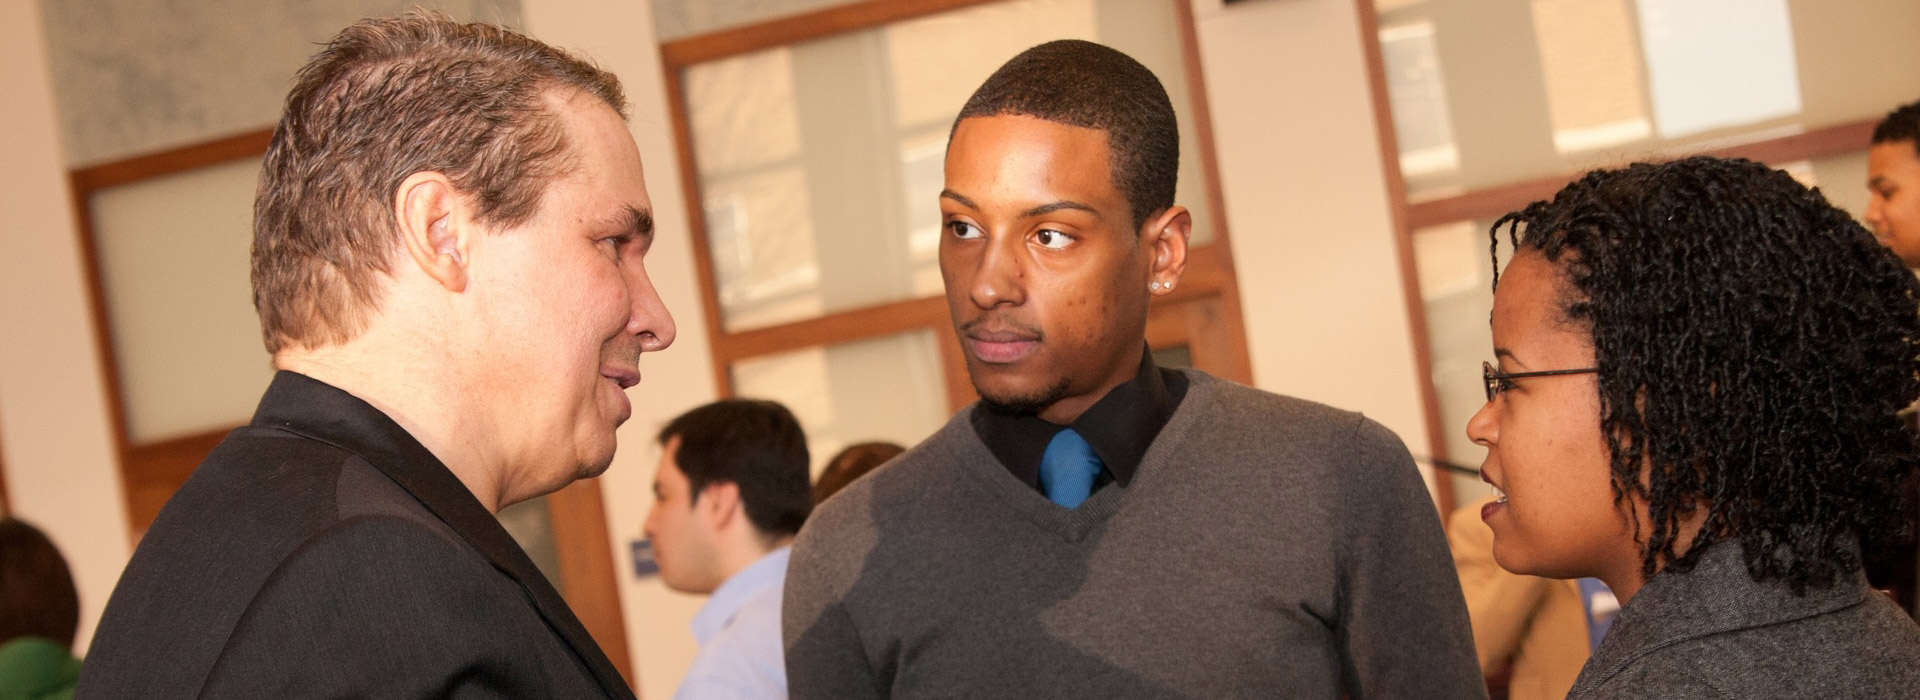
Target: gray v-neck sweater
<point>1268,548</point>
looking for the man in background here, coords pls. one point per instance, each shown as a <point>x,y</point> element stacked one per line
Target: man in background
<point>1893,212</point>
<point>1097,526</point>
<point>730,493</point>
<point>1893,182</point>
<point>449,238</point>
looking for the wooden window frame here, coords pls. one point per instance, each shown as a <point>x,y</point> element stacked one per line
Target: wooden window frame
<point>151,471</point>
<point>1490,202</point>
<point>1209,273</point>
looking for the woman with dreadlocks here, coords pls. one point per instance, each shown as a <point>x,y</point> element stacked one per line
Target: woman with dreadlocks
<point>1699,367</point>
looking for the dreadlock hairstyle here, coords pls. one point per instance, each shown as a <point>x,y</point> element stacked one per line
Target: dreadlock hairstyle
<point>1902,124</point>
<point>1754,344</point>
<point>1081,83</point>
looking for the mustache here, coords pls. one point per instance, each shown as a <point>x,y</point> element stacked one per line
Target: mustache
<point>1001,324</point>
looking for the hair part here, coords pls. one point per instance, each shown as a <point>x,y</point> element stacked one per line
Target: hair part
<point>1754,345</point>
<point>756,445</point>
<point>385,99</point>
<point>1084,84</point>
<point>1901,124</point>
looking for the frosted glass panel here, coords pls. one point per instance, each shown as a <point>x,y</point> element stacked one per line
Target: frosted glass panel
<point>1456,288</point>
<point>173,266</point>
<point>1719,63</point>
<point>1485,94</point>
<point>887,388</point>
<point>820,163</point>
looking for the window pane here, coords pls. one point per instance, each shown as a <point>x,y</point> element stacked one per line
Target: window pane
<point>887,388</point>
<point>1485,94</point>
<point>1456,288</point>
<point>820,163</point>
<point>174,270</point>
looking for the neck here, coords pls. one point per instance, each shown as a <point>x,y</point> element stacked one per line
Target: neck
<point>738,558</point>
<point>386,375</point>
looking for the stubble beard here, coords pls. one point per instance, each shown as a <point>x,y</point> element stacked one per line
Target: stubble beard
<point>1031,402</point>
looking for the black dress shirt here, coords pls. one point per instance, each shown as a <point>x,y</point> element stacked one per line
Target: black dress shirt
<point>1119,427</point>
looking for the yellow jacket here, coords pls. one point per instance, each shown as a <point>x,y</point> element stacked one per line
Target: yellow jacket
<point>1535,626</point>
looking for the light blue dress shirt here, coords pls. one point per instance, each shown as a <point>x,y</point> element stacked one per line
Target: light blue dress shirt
<point>741,654</point>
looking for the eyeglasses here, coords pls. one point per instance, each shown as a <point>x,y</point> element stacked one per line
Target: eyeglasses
<point>1501,381</point>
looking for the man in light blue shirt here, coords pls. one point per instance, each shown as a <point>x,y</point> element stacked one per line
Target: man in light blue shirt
<point>729,495</point>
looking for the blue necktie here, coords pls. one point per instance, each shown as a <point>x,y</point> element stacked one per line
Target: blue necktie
<point>1068,468</point>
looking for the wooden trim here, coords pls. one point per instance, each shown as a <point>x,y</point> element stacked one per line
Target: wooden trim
<point>153,471</point>
<point>849,17</point>
<point>697,229</point>
<point>1396,183</point>
<point>1235,362</point>
<point>578,514</point>
<point>840,327</point>
<point>177,160</point>
<point>1490,202</point>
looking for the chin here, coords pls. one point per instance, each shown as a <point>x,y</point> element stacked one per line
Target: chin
<point>1018,396</point>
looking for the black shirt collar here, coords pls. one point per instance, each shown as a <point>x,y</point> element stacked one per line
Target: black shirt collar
<point>1119,427</point>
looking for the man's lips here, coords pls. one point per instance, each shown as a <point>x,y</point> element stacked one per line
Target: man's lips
<point>1002,346</point>
<point>626,378</point>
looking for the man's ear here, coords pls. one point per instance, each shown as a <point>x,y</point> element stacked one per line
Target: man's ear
<point>1165,236</point>
<point>720,504</point>
<point>434,228</point>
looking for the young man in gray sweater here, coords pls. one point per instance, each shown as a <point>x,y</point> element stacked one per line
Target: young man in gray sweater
<point>1098,527</point>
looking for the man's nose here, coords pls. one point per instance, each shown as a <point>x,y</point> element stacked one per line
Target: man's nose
<point>1000,276</point>
<point>649,318</point>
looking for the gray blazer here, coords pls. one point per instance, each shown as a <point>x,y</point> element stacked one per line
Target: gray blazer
<point>322,552</point>
<point>1714,633</point>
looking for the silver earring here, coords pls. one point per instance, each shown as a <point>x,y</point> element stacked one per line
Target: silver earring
<point>1155,286</point>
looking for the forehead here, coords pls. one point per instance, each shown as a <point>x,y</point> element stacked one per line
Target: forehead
<point>1893,158</point>
<point>607,171</point>
<point>1021,160</point>
<point>1528,298</point>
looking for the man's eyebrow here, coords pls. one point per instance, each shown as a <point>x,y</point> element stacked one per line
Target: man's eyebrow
<point>639,224</point>
<point>959,198</point>
<point>1061,205</point>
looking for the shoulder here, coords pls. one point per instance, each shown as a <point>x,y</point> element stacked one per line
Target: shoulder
<point>745,659</point>
<point>1658,677</point>
<point>1237,420</point>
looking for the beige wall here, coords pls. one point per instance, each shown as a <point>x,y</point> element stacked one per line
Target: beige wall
<point>1307,206</point>
<point>60,468</point>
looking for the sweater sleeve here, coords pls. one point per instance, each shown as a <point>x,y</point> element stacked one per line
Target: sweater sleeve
<point>825,658</point>
<point>1403,623</point>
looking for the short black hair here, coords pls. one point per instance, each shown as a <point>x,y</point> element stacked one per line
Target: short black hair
<point>1084,84</point>
<point>1901,124</point>
<point>754,444</point>
<point>1755,344</point>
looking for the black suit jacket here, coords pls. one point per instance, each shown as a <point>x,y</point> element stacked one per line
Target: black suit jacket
<point>321,551</point>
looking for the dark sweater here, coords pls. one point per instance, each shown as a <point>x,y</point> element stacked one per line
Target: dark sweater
<point>1268,548</point>
<point>1712,633</point>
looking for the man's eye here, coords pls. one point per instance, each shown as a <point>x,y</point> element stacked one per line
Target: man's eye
<point>1051,239</point>
<point>962,229</point>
